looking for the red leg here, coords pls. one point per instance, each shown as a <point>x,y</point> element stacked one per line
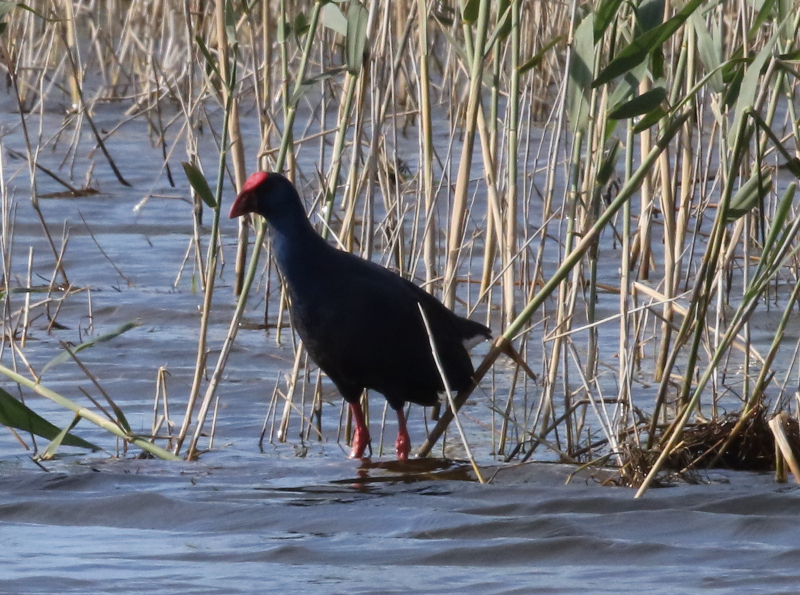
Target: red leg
<point>361,437</point>
<point>403,445</point>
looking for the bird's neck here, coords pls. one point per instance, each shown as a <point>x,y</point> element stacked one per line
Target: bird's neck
<point>297,246</point>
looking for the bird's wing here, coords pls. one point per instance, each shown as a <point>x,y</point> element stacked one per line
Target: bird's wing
<point>363,325</point>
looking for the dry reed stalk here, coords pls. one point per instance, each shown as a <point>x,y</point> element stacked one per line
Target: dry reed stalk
<point>162,397</point>
<point>273,403</point>
<point>426,141</point>
<point>449,395</point>
<point>458,215</point>
<point>292,381</point>
<point>236,146</point>
<point>11,66</point>
<point>52,286</point>
<point>776,425</point>
<point>27,307</point>
<point>512,196</point>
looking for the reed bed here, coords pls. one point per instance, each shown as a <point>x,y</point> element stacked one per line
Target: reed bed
<point>611,187</point>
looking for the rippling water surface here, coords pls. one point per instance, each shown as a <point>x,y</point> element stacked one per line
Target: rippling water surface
<point>327,525</point>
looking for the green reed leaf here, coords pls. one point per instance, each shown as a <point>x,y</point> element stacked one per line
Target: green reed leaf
<point>779,218</point>
<point>749,195</point>
<point>649,15</point>
<point>580,74</point>
<point>503,19</point>
<point>357,16</point>
<point>199,183</point>
<point>6,8</point>
<point>641,104</point>
<point>733,85</point>
<point>709,50</point>
<point>332,17</point>
<point>537,59</point>
<point>56,442</point>
<point>471,11</point>
<point>640,48</point>
<point>609,165</point>
<point>15,414</point>
<point>64,356</point>
<point>300,25</point>
<point>650,119</point>
<point>211,61</point>
<point>604,16</point>
<point>764,13</point>
<point>751,83</point>
<point>457,47</point>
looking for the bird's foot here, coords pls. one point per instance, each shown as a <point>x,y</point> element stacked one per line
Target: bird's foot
<point>402,447</point>
<point>361,441</point>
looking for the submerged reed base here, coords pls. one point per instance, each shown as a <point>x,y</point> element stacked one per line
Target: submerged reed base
<point>712,445</point>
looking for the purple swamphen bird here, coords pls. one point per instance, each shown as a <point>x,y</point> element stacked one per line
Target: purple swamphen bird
<point>360,322</point>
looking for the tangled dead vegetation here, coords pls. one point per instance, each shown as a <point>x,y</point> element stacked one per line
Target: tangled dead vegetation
<point>713,445</point>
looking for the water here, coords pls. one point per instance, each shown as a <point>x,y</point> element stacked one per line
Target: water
<point>319,525</point>
<point>300,516</point>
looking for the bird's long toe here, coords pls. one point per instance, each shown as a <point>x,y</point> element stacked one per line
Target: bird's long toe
<point>402,446</point>
<point>361,438</point>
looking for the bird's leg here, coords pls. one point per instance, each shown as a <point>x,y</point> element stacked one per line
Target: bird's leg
<point>361,437</point>
<point>403,445</point>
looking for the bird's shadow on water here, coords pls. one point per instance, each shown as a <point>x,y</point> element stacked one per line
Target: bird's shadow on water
<point>373,477</point>
<point>373,474</point>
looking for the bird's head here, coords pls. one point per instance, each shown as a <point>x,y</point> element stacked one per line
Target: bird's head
<point>270,195</point>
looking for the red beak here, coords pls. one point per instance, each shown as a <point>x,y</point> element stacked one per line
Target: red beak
<point>242,205</point>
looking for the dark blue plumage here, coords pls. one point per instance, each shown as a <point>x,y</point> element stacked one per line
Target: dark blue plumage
<point>359,321</point>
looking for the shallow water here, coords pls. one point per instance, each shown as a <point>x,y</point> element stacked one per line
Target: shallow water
<point>325,525</point>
